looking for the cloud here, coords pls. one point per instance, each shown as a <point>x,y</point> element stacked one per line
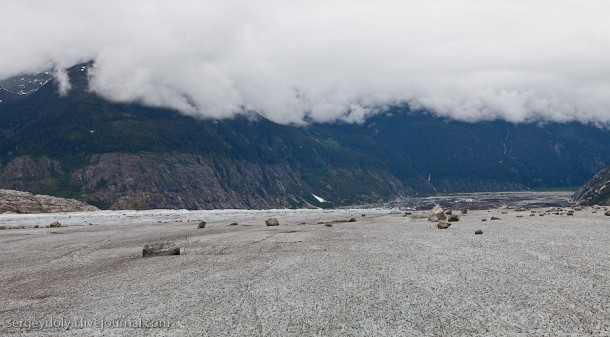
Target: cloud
<point>328,60</point>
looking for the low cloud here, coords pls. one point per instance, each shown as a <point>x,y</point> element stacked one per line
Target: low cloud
<point>328,60</point>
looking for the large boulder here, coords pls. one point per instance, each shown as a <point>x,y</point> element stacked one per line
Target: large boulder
<point>454,218</point>
<point>437,214</point>
<point>161,249</point>
<point>272,222</point>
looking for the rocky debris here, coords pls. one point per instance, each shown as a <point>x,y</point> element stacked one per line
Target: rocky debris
<point>363,215</point>
<point>454,218</point>
<point>55,225</point>
<point>464,210</point>
<point>607,213</point>
<point>328,224</point>
<point>201,224</point>
<point>570,212</point>
<point>478,232</point>
<point>443,225</point>
<point>483,219</point>
<point>23,202</point>
<point>437,214</point>
<point>161,249</point>
<point>352,220</point>
<point>2,227</point>
<point>596,190</point>
<point>272,222</point>
<point>408,213</point>
<point>495,218</point>
<point>449,212</point>
<point>36,226</point>
<point>519,216</point>
<point>233,224</point>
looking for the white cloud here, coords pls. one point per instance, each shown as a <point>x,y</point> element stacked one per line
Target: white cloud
<point>325,60</point>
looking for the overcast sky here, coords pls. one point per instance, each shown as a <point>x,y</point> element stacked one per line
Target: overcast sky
<point>518,60</point>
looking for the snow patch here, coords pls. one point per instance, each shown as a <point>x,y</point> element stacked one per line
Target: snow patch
<point>318,198</point>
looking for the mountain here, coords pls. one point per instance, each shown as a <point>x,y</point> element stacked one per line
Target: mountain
<point>596,191</point>
<point>129,156</point>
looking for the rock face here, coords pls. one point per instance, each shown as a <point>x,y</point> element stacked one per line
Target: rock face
<point>23,202</point>
<point>437,214</point>
<point>272,222</point>
<point>596,190</point>
<point>443,225</point>
<point>160,249</point>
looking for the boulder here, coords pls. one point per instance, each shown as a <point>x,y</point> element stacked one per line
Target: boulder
<point>352,220</point>
<point>464,210</point>
<point>328,224</point>
<point>478,232</point>
<point>2,227</point>
<point>233,224</point>
<point>495,218</point>
<point>272,222</point>
<point>161,249</point>
<point>607,213</point>
<point>201,224</point>
<point>55,225</point>
<point>437,214</point>
<point>454,218</point>
<point>443,225</point>
<point>449,212</point>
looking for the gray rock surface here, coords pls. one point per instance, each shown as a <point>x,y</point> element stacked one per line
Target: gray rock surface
<point>437,214</point>
<point>596,190</point>
<point>272,222</point>
<point>24,202</point>
<point>160,249</point>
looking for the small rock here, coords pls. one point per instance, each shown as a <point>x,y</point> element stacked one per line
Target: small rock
<point>607,213</point>
<point>532,214</point>
<point>495,218</point>
<point>443,225</point>
<point>483,219</point>
<point>272,222</point>
<point>464,210</point>
<point>407,213</point>
<point>161,249</point>
<point>449,212</point>
<point>570,213</point>
<point>504,212</point>
<point>233,224</point>
<point>454,218</point>
<point>36,226</point>
<point>328,224</point>
<point>363,215</point>
<point>478,232</point>
<point>437,214</point>
<point>55,225</point>
<point>519,216</point>
<point>2,227</point>
<point>352,220</point>
<point>541,214</point>
<point>201,224</point>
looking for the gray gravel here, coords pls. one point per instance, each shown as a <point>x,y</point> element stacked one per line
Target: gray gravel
<point>385,274</point>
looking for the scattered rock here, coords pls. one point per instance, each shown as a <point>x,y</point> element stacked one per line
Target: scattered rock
<point>449,212</point>
<point>454,218</point>
<point>519,216</point>
<point>352,220</point>
<point>161,249</point>
<point>443,225</point>
<point>495,218</point>
<point>570,213</point>
<point>483,219</point>
<point>437,214</point>
<point>363,215</point>
<point>607,213</point>
<point>55,225</point>
<point>504,212</point>
<point>233,224</point>
<point>272,222</point>
<point>2,227</point>
<point>478,232</point>
<point>407,213</point>
<point>578,209</point>
<point>36,226</point>
<point>328,224</point>
<point>532,214</point>
<point>464,210</point>
<point>541,214</point>
<point>201,224</point>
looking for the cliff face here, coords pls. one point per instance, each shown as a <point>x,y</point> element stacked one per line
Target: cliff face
<point>596,191</point>
<point>193,181</point>
<point>23,202</point>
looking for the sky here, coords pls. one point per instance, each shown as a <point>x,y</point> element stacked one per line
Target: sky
<point>327,60</point>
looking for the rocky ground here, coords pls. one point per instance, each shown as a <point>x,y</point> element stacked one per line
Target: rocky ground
<point>532,272</point>
<point>23,202</point>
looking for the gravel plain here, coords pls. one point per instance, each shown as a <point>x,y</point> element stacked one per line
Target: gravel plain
<point>386,274</point>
